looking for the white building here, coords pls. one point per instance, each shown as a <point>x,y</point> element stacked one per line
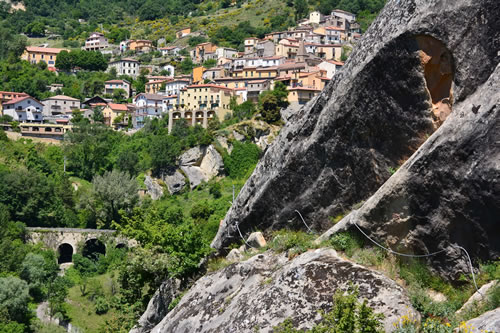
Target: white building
<point>126,66</point>
<point>60,104</point>
<point>96,42</point>
<point>175,86</point>
<point>170,51</point>
<point>111,85</point>
<point>226,52</point>
<point>24,109</point>
<point>147,106</point>
<point>170,69</point>
<point>331,67</point>
<point>316,17</point>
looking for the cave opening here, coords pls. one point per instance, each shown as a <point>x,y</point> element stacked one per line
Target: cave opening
<point>93,249</point>
<point>65,252</point>
<point>437,63</point>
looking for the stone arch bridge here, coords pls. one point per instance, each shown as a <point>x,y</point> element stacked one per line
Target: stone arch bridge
<point>68,241</point>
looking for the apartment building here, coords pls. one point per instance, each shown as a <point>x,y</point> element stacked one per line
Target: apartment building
<point>34,55</point>
<point>126,66</point>
<point>140,45</point>
<point>60,104</point>
<point>25,109</point>
<point>200,103</point>
<point>112,85</point>
<point>174,87</point>
<point>96,42</point>
<point>147,106</point>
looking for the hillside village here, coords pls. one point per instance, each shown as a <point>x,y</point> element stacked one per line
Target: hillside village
<point>303,58</point>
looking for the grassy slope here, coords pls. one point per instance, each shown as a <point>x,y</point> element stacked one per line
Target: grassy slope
<point>256,11</point>
<point>81,310</point>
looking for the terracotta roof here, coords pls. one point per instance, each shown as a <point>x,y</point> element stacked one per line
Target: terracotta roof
<point>63,97</point>
<point>334,28</point>
<point>118,107</point>
<point>13,93</point>
<point>340,63</point>
<point>291,65</point>
<point>44,49</point>
<point>20,99</point>
<point>117,81</point>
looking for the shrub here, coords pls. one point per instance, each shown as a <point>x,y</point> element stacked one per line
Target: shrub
<point>101,305</point>
<point>347,242</point>
<point>242,160</point>
<point>347,315</point>
<point>299,241</point>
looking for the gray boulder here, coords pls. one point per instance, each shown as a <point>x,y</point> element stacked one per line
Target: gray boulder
<point>157,306</point>
<point>487,322</point>
<point>192,157</point>
<point>268,288</point>
<point>153,188</point>
<point>194,174</point>
<point>212,164</point>
<point>424,72</point>
<point>175,181</point>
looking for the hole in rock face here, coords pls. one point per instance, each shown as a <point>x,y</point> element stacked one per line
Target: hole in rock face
<point>93,248</point>
<point>65,253</point>
<point>437,63</point>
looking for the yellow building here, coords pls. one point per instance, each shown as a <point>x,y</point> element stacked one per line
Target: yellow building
<point>198,74</point>
<point>140,45</point>
<point>153,87</point>
<point>34,55</point>
<point>301,95</point>
<point>113,111</point>
<point>200,103</point>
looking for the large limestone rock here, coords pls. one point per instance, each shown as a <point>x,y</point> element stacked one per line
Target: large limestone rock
<point>153,188</point>
<point>212,164</point>
<point>487,322</point>
<point>157,306</point>
<point>201,164</point>
<point>426,71</point>
<point>194,174</point>
<point>192,157</point>
<point>268,288</point>
<point>175,181</point>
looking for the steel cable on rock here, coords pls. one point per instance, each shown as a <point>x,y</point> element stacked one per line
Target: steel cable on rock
<point>423,255</point>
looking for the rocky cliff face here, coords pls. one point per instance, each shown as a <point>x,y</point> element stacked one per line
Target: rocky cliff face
<point>257,294</point>
<point>425,71</point>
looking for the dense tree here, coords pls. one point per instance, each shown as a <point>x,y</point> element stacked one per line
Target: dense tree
<point>301,9</point>
<point>113,191</point>
<point>14,298</point>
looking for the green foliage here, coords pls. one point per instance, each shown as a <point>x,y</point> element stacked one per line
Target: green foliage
<point>298,241</point>
<point>101,305</point>
<point>87,60</point>
<point>242,159</point>
<point>271,103</point>
<point>347,242</point>
<point>235,36</point>
<point>195,40</point>
<point>114,191</point>
<point>14,296</point>
<point>347,315</point>
<point>244,110</point>
<point>209,63</point>
<point>187,65</point>
<point>11,327</point>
